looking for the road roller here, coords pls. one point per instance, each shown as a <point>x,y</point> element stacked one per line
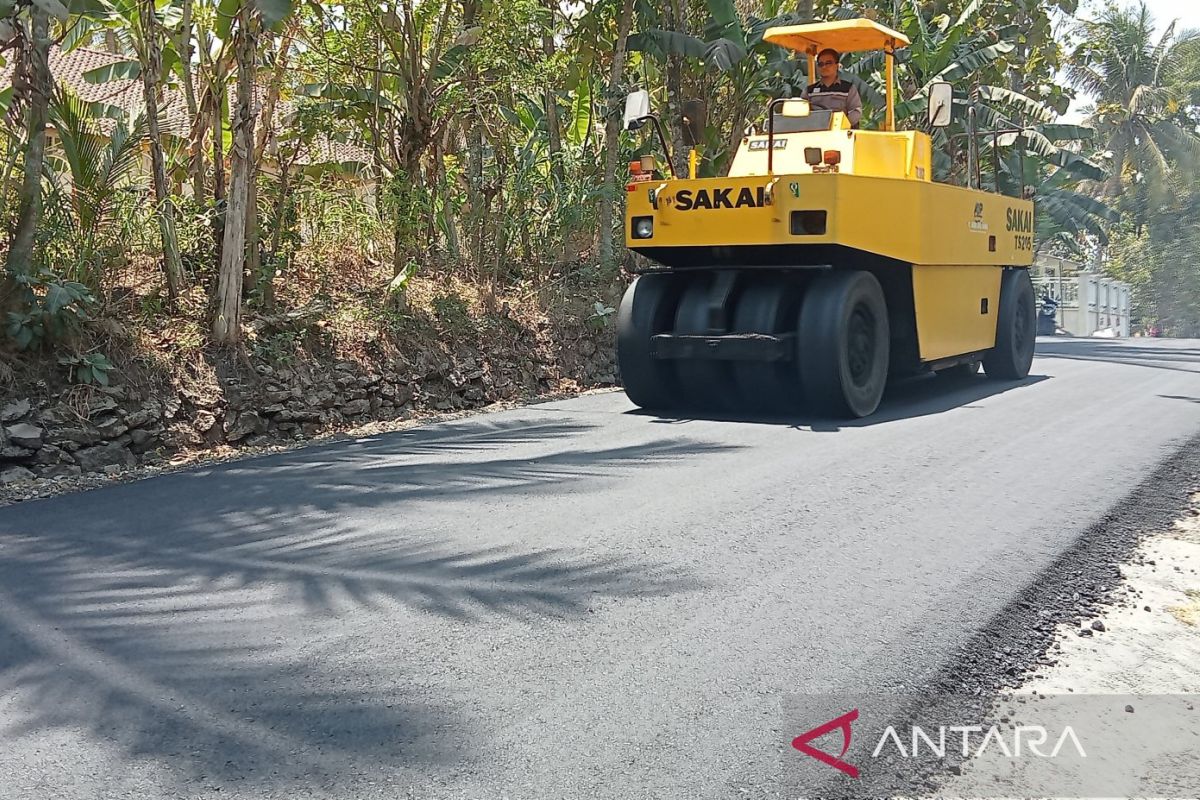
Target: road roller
<point>826,261</point>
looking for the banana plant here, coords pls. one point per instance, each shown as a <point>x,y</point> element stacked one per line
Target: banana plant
<point>750,70</point>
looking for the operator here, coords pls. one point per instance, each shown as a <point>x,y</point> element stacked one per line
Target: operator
<point>831,93</point>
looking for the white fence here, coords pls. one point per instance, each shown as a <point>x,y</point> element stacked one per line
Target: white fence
<point>1087,301</point>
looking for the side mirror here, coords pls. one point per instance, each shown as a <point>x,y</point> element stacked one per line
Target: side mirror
<point>694,113</point>
<point>795,108</point>
<point>941,104</point>
<point>637,107</point>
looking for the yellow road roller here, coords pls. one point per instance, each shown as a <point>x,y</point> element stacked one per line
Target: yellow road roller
<point>825,261</point>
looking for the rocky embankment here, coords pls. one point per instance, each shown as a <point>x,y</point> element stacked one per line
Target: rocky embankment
<point>47,435</point>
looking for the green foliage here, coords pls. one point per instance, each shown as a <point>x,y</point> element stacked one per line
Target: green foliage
<point>603,315</point>
<point>1158,254</point>
<point>279,348</point>
<point>458,167</point>
<point>49,309</point>
<point>330,220</point>
<point>89,368</point>
<point>399,284</point>
<point>452,312</point>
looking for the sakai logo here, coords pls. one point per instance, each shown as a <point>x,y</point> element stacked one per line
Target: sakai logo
<point>801,743</point>
<point>686,200</point>
<point>977,223</point>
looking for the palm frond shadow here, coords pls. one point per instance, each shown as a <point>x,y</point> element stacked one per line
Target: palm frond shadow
<point>162,616</point>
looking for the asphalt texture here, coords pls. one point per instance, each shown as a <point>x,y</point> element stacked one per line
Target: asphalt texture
<point>575,599</point>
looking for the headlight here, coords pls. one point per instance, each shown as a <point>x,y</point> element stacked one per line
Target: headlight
<point>643,227</point>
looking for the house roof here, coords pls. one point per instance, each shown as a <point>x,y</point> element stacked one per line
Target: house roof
<point>68,68</point>
<point>325,150</point>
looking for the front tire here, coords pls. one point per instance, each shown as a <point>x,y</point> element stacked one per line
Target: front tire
<point>1016,328</point>
<point>647,309</point>
<point>843,345</point>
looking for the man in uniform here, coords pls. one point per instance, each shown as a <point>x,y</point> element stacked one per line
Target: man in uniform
<point>831,92</point>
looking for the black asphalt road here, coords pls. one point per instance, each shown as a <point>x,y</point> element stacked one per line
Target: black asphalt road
<point>572,600</point>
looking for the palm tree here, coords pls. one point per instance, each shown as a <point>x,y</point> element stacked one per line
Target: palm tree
<point>612,132</point>
<point>1140,87</point>
<point>86,172</point>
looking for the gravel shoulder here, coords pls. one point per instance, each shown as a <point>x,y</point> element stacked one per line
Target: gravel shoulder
<point>1143,639</point>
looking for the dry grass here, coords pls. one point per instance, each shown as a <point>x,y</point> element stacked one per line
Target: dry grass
<point>334,307</point>
<point>1189,613</point>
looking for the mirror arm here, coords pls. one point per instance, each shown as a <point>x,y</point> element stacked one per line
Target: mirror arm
<point>996,160</point>
<point>662,139</point>
<point>778,101</point>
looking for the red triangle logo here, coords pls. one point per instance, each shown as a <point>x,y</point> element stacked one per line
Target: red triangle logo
<point>801,743</point>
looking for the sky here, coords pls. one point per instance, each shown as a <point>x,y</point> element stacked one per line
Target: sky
<point>1187,11</point>
<point>1163,11</point>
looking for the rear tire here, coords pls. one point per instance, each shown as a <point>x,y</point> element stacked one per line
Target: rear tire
<point>703,385</point>
<point>843,345</point>
<point>767,307</point>
<point>1016,328</point>
<point>647,309</point>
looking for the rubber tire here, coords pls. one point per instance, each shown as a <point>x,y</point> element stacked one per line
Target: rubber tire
<point>1016,328</point>
<point>831,304</point>
<point>647,309</point>
<point>704,385</point>
<point>769,307</point>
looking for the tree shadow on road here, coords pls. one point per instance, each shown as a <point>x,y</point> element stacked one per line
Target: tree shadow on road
<point>163,616</point>
<point>1180,397</point>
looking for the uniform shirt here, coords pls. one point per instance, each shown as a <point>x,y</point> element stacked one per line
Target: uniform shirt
<point>841,96</point>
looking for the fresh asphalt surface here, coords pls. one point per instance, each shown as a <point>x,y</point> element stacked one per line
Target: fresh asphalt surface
<point>572,600</point>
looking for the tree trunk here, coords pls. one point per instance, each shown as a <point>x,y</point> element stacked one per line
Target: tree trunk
<point>253,266</point>
<point>804,10</point>
<point>273,89</point>
<point>282,220</point>
<point>453,247</point>
<point>227,325</point>
<point>675,92</point>
<point>1115,185</point>
<point>36,67</point>
<point>552,127</point>
<point>476,199</point>
<point>253,234</point>
<point>196,158</point>
<point>164,210</point>
<point>612,134</point>
<point>219,92</point>
<point>377,126</point>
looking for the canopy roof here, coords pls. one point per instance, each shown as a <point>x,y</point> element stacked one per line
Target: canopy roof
<point>845,36</point>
